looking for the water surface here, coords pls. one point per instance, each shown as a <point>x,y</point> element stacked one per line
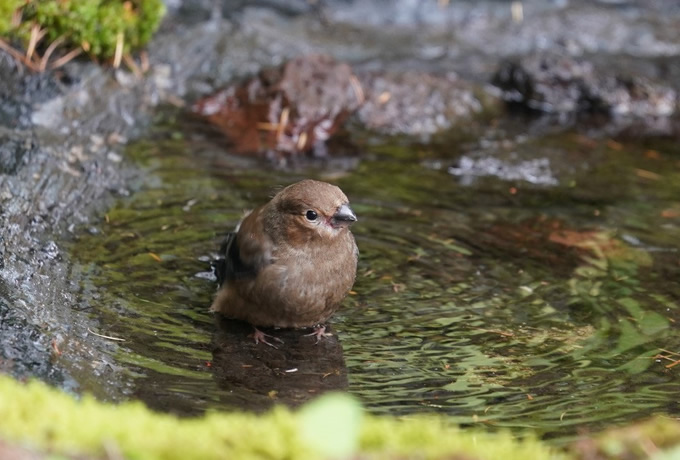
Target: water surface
<point>546,300</point>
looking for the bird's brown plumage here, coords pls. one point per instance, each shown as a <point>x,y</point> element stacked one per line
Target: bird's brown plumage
<point>292,261</point>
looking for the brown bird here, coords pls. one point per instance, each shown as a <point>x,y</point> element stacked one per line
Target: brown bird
<point>290,262</point>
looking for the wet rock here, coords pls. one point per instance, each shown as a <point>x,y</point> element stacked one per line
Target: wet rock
<point>561,85</point>
<point>20,90</point>
<point>24,348</point>
<point>418,103</point>
<point>15,149</point>
<point>295,108</point>
<point>534,171</point>
<point>298,107</point>
<point>53,178</point>
<point>508,154</point>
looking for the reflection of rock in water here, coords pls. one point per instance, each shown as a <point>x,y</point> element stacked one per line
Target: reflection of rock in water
<point>255,377</point>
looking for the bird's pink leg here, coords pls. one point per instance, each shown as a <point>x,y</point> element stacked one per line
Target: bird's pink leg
<point>319,332</point>
<point>261,337</point>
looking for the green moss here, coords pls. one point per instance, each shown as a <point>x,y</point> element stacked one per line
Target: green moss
<point>38,416</point>
<point>433,437</point>
<point>658,438</point>
<point>93,25</point>
<point>7,9</point>
<point>333,426</point>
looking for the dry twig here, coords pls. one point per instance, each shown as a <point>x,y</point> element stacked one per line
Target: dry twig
<point>17,55</point>
<point>48,52</point>
<point>66,58</point>
<point>105,336</point>
<point>118,55</point>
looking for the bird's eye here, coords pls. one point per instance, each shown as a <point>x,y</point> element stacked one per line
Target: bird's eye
<point>311,215</point>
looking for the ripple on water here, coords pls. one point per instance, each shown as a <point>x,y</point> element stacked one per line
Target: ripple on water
<point>512,309</point>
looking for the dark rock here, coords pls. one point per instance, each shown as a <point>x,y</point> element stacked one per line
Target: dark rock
<point>295,108</point>
<point>417,103</point>
<point>24,347</point>
<point>558,84</point>
<point>15,149</point>
<point>19,90</point>
<point>283,7</point>
<point>299,106</point>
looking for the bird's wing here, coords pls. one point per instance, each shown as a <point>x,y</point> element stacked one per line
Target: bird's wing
<point>224,267</point>
<point>245,251</point>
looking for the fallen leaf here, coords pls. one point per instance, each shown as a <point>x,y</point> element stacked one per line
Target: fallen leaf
<point>670,213</point>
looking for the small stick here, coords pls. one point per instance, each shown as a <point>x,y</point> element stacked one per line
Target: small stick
<point>48,52</point>
<point>36,35</point>
<point>66,58</point>
<point>119,50</point>
<point>144,59</point>
<point>670,352</point>
<point>132,65</point>
<point>105,336</point>
<point>283,122</point>
<point>265,126</point>
<point>17,55</point>
<point>302,141</point>
<point>358,90</point>
<point>673,364</point>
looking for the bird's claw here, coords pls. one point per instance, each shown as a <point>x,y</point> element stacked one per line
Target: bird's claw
<point>261,337</point>
<point>319,333</point>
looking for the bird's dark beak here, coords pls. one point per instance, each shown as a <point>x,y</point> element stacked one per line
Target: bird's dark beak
<point>343,217</point>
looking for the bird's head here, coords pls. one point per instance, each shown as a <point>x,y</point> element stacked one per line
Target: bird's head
<point>314,209</point>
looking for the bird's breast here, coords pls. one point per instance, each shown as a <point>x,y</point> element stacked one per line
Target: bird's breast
<point>312,281</point>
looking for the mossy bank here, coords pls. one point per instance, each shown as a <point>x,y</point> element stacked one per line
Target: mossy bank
<point>334,426</point>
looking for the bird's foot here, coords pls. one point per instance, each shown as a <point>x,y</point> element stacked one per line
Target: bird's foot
<point>319,332</point>
<point>261,337</point>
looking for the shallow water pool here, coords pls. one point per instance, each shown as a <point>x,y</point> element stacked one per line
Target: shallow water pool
<point>481,293</point>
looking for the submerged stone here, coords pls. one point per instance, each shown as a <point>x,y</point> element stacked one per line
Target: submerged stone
<point>535,171</point>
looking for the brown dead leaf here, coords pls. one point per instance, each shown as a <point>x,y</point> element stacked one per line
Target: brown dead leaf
<point>586,141</point>
<point>575,238</point>
<point>601,244</point>
<point>612,144</point>
<point>670,213</point>
<point>653,154</point>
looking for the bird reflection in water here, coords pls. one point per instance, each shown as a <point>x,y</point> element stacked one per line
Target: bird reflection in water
<point>256,377</point>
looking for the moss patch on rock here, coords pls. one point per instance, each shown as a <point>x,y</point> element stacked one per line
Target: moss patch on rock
<point>96,26</point>
<point>658,438</point>
<point>46,419</point>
